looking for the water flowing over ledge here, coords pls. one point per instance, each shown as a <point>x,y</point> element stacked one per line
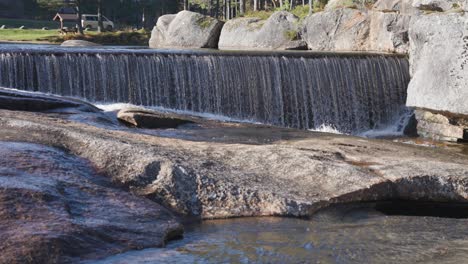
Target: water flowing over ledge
<point>351,92</point>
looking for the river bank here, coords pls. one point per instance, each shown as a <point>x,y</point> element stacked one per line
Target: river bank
<point>52,36</point>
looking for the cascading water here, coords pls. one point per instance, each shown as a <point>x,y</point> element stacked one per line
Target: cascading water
<point>352,92</point>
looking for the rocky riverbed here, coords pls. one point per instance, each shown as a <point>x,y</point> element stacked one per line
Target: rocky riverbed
<point>82,184</point>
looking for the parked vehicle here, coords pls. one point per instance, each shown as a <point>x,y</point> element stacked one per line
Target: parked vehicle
<point>91,22</point>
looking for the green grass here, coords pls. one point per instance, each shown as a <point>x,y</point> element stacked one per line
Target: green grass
<point>132,38</point>
<point>301,11</point>
<point>30,24</point>
<point>204,22</point>
<point>137,38</point>
<point>34,33</point>
<point>263,15</point>
<point>291,35</point>
<point>27,34</point>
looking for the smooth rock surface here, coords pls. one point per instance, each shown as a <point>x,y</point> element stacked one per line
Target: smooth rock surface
<point>439,63</point>
<point>296,177</point>
<point>56,208</point>
<point>24,101</point>
<point>151,119</point>
<point>354,30</point>
<point>79,43</point>
<point>279,32</point>
<point>186,30</point>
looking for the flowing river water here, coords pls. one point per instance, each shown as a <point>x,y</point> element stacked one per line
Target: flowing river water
<point>350,234</point>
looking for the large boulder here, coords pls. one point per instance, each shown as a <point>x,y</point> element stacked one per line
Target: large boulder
<point>280,31</point>
<point>437,126</point>
<point>337,30</point>
<point>356,4</point>
<point>439,58</point>
<point>144,118</point>
<point>388,32</point>
<point>186,30</point>
<point>79,43</point>
<point>400,6</point>
<point>158,35</point>
<point>439,64</point>
<point>354,30</point>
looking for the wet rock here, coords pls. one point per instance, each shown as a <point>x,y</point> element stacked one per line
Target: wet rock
<point>437,127</point>
<point>186,30</point>
<point>279,32</point>
<point>439,63</point>
<point>79,43</point>
<point>411,128</point>
<point>214,180</point>
<point>56,208</point>
<point>354,30</point>
<point>24,101</point>
<point>151,119</point>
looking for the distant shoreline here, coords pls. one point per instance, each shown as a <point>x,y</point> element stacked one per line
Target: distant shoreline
<point>27,42</point>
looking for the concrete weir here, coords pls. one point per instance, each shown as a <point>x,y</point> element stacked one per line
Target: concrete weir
<point>353,92</point>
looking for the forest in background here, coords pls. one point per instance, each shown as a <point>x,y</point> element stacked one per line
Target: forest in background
<point>144,13</point>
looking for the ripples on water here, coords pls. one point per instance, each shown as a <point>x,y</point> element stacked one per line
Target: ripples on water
<point>346,235</point>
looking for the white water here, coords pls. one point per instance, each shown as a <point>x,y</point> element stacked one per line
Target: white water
<point>349,93</point>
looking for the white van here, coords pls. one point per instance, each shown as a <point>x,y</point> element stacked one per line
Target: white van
<point>91,22</point>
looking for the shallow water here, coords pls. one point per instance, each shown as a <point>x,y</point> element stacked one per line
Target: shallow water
<point>460,147</point>
<point>340,235</point>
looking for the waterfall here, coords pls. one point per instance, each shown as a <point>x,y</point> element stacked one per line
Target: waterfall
<point>352,92</point>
